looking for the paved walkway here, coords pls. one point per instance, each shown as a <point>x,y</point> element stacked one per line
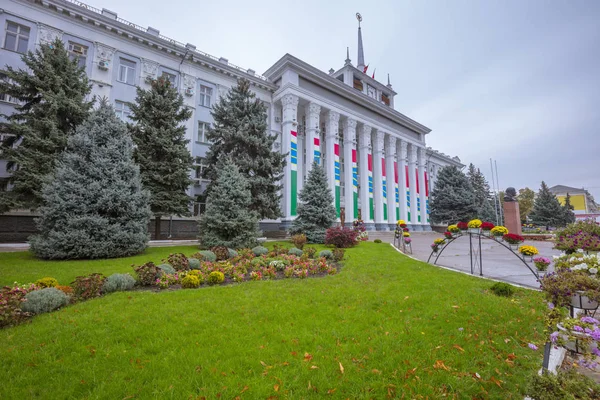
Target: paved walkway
<point>498,262</point>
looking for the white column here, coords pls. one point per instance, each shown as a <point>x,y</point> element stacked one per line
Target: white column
<point>363,165</point>
<point>422,189</point>
<point>378,143</point>
<point>301,167</point>
<point>390,154</point>
<point>402,182</point>
<point>332,148</point>
<point>350,170</point>
<point>289,144</point>
<point>313,143</point>
<point>412,183</point>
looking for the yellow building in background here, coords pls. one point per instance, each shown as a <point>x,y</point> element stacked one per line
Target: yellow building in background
<point>582,201</point>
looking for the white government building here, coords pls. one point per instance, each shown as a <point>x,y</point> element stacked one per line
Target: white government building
<point>375,157</point>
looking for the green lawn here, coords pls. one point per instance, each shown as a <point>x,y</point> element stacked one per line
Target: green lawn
<point>386,325</point>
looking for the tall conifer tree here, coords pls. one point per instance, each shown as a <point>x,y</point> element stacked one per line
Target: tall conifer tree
<point>481,190</point>
<point>568,214</point>
<point>53,100</point>
<point>94,207</point>
<point>228,221</point>
<point>161,148</point>
<point>316,212</point>
<point>547,211</point>
<point>240,130</point>
<point>452,198</point>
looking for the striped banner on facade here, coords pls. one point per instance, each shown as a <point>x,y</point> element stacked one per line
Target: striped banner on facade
<point>396,191</point>
<point>354,183</point>
<point>408,215</point>
<point>294,175</point>
<point>371,205</point>
<point>384,189</point>
<point>418,197</point>
<point>336,173</point>
<point>317,150</point>
<point>427,195</point>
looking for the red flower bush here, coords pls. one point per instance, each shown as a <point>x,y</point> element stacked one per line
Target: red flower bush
<point>513,238</point>
<point>341,237</point>
<point>487,226</point>
<point>405,229</point>
<point>463,226</point>
<point>448,235</point>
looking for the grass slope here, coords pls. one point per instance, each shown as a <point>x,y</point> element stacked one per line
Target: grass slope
<point>386,326</point>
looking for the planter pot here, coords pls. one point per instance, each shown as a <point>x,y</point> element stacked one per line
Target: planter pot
<point>486,233</point>
<point>580,338</point>
<point>513,246</point>
<point>527,258</point>
<point>474,230</point>
<point>583,302</point>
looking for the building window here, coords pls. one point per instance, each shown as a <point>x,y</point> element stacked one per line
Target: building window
<point>199,167</point>
<point>358,85</point>
<point>78,52</point>
<point>126,71</point>
<point>199,209</point>
<point>202,131</point>
<point>17,37</point>
<point>371,92</point>
<point>385,99</point>
<point>205,95</point>
<point>5,97</point>
<point>170,77</point>
<point>123,111</point>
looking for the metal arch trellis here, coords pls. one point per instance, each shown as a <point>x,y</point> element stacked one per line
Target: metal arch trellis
<point>475,253</point>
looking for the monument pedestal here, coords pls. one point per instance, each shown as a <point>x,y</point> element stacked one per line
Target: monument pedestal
<point>512,217</point>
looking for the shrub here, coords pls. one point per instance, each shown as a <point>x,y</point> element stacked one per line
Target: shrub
<point>44,300</point>
<point>341,237</point>
<point>167,280</point>
<point>279,265</point>
<point>66,289</point>
<point>199,274</point>
<point>259,262</point>
<point>259,251</point>
<point>565,385</point>
<point>88,287</point>
<point>295,251</point>
<point>316,235</point>
<point>232,253</point>
<point>221,252</point>
<point>278,250</point>
<point>46,283</point>
<point>178,261</point>
<point>502,289</point>
<point>190,281</point>
<point>215,277</point>
<point>326,254</point>
<point>167,269</point>
<point>118,282</point>
<point>377,241</point>
<point>310,251</point>
<point>147,273</point>
<point>338,254</point>
<point>245,253</point>
<point>194,263</point>
<point>205,255</point>
<point>299,240</point>
<point>11,299</point>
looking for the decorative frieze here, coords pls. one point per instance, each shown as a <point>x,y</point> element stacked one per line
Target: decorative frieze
<point>47,34</point>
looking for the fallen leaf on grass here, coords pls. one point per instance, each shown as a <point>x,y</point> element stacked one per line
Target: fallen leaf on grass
<point>496,381</point>
<point>457,347</point>
<point>276,388</point>
<point>439,364</point>
<point>314,367</point>
<point>244,389</point>
<point>376,371</point>
<point>307,357</point>
<point>331,391</point>
<point>341,368</point>
<point>455,307</point>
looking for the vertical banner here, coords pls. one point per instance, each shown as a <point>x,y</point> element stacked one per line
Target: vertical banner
<point>427,195</point>
<point>317,150</point>
<point>418,197</point>
<point>354,183</point>
<point>396,190</point>
<point>407,195</point>
<point>336,174</point>
<point>294,168</point>
<point>371,209</point>
<point>384,189</point>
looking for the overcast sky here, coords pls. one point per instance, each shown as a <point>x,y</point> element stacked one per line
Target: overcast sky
<point>517,81</point>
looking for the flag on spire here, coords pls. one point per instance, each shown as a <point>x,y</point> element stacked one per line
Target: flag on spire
<point>373,76</point>
<point>365,69</point>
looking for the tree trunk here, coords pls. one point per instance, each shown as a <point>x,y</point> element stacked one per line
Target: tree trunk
<point>157,227</point>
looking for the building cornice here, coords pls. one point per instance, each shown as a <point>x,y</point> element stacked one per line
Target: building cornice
<point>366,78</point>
<point>86,14</point>
<point>431,153</point>
<point>321,78</point>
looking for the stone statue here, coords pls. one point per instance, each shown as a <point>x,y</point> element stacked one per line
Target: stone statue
<point>510,195</point>
<point>342,216</point>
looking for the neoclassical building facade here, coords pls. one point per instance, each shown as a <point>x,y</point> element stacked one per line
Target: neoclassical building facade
<point>377,163</point>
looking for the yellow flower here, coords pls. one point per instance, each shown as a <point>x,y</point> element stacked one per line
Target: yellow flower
<point>405,234</point>
<point>499,230</point>
<point>453,228</point>
<point>439,241</point>
<point>528,250</point>
<point>474,223</point>
<point>401,222</point>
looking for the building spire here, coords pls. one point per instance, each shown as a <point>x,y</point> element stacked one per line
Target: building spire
<point>389,84</point>
<point>348,61</point>
<point>361,55</point>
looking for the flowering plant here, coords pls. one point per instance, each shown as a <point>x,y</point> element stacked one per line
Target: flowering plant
<point>499,230</point>
<point>359,225</point>
<point>462,226</point>
<point>453,228</point>
<point>487,226</point>
<point>541,263</point>
<point>582,334</point>
<point>439,241</point>
<point>405,229</point>
<point>407,240</point>
<point>578,261</point>
<point>528,250</point>
<point>435,247</point>
<point>364,235</point>
<point>406,234</point>
<point>513,238</point>
<point>579,235</point>
<point>401,222</point>
<point>474,223</point>
<point>11,298</point>
<point>448,235</point>
<point>560,286</point>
